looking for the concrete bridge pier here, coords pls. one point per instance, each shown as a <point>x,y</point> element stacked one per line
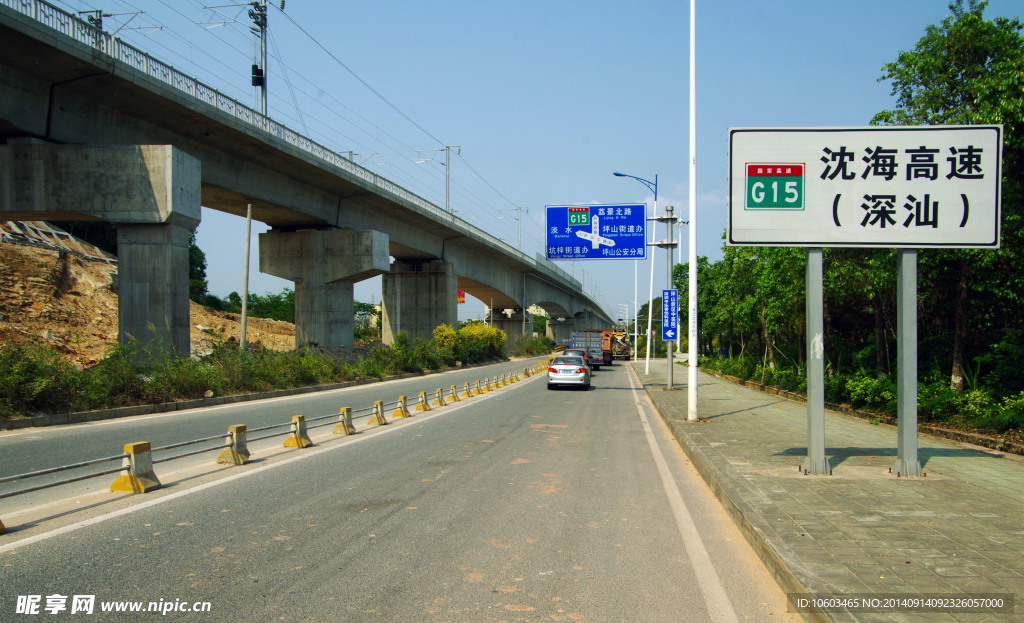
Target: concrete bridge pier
<point>152,285</point>
<point>325,265</point>
<point>417,297</point>
<point>152,194</point>
<point>512,324</point>
<point>560,330</point>
<point>587,321</point>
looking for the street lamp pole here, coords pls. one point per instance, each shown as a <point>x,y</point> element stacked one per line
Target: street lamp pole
<point>691,409</point>
<point>650,300</point>
<point>670,222</point>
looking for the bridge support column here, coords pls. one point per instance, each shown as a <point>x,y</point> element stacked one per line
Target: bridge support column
<point>152,297</point>
<point>418,296</point>
<point>511,325</point>
<point>151,192</point>
<point>560,330</point>
<point>325,265</point>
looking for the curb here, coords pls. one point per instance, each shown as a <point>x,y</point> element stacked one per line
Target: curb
<point>57,419</point>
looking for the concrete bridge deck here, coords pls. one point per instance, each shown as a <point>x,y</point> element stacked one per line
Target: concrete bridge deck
<point>95,129</point>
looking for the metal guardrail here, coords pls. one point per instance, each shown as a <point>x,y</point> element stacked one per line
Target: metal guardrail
<point>62,468</point>
<point>375,411</point>
<point>85,33</point>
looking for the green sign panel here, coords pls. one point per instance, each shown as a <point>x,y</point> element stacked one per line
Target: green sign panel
<point>579,216</point>
<point>775,186</point>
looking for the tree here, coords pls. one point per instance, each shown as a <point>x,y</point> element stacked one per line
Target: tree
<point>197,283</point>
<point>540,324</point>
<point>969,71</point>
<point>367,320</point>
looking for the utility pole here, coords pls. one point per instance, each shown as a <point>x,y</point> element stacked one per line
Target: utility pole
<point>447,174</point>
<point>258,15</point>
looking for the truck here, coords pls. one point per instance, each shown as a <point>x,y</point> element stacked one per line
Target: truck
<point>621,348</point>
<point>592,342</point>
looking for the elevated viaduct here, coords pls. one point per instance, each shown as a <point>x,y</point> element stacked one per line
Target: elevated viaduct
<point>92,128</point>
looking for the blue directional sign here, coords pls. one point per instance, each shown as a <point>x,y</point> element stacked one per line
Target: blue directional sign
<point>597,232</point>
<point>670,315</point>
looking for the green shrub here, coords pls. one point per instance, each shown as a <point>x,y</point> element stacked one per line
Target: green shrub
<point>1007,415</point>
<point>483,341</point>
<point>34,378</point>
<point>525,346</point>
<point>872,393</point>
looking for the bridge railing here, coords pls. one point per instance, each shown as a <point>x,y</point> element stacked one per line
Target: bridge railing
<point>83,32</point>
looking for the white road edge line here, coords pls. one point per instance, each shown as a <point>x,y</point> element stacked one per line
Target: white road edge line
<point>719,606</point>
<point>302,454</point>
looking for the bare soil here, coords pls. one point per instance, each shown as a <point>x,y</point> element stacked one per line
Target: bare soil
<point>70,304</point>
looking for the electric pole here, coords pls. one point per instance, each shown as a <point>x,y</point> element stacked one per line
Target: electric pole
<point>258,15</point>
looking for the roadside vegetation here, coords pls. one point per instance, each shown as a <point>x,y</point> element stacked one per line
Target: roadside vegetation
<point>37,380</point>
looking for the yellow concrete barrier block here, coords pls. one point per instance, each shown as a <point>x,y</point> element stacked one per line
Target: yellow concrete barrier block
<point>438,399</point>
<point>138,476</point>
<point>454,396</point>
<point>237,452</point>
<point>401,411</point>
<point>476,389</point>
<point>298,438</point>
<point>378,414</point>
<point>487,385</point>
<point>345,426</point>
<point>422,404</point>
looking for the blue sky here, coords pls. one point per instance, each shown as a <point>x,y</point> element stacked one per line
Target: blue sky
<point>545,97</point>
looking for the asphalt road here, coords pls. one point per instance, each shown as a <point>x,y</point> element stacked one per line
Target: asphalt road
<point>521,505</point>
<point>26,450</point>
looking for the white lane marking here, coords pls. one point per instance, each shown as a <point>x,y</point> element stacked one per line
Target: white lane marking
<point>719,606</point>
<point>303,454</point>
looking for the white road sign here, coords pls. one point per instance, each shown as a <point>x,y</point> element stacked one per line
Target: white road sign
<point>910,187</point>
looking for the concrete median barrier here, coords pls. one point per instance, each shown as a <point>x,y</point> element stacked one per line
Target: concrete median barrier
<point>401,411</point>
<point>378,414</point>
<point>138,476</point>
<point>345,426</point>
<point>298,438</point>
<point>237,453</point>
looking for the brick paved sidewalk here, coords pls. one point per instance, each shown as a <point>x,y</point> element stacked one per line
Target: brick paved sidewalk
<point>862,530</point>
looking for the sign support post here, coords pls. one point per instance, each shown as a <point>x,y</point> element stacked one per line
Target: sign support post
<point>907,463</point>
<point>816,463</point>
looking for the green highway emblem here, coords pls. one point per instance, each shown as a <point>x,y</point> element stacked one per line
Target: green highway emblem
<point>775,186</point>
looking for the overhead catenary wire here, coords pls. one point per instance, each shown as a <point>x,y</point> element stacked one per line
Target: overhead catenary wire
<point>356,132</point>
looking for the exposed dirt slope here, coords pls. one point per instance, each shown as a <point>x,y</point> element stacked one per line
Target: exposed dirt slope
<point>70,303</point>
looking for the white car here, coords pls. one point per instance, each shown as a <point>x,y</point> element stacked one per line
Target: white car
<point>568,370</point>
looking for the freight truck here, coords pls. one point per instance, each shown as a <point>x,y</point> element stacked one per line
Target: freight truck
<point>592,342</point>
<point>621,346</point>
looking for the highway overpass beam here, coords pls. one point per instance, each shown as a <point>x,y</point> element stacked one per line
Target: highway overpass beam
<point>151,192</point>
<point>325,265</point>
<point>418,296</point>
